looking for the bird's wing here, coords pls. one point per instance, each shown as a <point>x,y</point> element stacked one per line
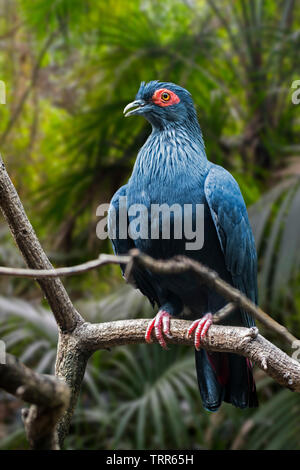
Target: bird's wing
<point>123,244</point>
<point>230,217</point>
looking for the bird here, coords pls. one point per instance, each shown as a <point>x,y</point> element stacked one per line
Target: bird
<point>172,168</point>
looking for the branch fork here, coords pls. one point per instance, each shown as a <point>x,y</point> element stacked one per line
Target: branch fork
<point>54,400</point>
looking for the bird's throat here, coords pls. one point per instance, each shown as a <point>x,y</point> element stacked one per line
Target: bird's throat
<point>171,153</point>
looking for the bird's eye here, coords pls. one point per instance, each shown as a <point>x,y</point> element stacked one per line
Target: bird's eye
<point>165,96</point>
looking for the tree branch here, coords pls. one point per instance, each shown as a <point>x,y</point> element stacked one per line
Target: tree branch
<point>79,339</point>
<point>244,341</point>
<point>178,264</point>
<point>69,365</point>
<point>49,396</point>
<point>65,313</point>
<point>103,260</point>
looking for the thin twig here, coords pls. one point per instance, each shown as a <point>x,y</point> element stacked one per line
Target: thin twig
<point>65,271</point>
<point>181,264</point>
<point>78,339</point>
<point>174,265</point>
<point>221,314</point>
<point>65,313</point>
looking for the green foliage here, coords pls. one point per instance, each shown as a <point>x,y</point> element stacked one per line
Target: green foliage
<point>71,67</point>
<point>238,61</point>
<point>276,424</point>
<point>276,229</point>
<point>151,397</point>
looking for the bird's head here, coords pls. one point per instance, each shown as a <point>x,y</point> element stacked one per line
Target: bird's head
<point>163,104</point>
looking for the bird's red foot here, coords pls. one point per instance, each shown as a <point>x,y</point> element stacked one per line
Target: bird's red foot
<point>201,326</point>
<point>161,326</point>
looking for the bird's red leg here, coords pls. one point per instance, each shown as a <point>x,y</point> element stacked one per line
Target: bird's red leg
<point>161,326</point>
<point>201,326</point>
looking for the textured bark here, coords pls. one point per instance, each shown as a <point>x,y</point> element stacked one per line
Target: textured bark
<point>70,365</point>
<point>79,339</point>
<point>178,264</point>
<point>65,313</point>
<point>49,396</point>
<point>244,341</point>
<point>206,275</point>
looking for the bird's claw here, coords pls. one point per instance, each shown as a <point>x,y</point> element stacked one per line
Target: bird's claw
<point>201,326</point>
<point>161,325</point>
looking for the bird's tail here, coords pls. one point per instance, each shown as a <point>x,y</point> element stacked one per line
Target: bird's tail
<point>225,377</point>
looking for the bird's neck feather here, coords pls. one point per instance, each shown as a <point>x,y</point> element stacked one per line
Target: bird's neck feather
<point>173,151</point>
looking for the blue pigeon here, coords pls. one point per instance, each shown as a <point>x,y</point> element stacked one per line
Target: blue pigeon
<point>172,170</point>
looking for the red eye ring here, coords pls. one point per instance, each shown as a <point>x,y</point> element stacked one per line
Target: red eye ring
<point>164,97</point>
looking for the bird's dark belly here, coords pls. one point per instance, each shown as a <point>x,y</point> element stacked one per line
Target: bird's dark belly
<point>184,287</point>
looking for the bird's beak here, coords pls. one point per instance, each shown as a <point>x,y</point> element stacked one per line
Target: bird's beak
<point>137,105</point>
